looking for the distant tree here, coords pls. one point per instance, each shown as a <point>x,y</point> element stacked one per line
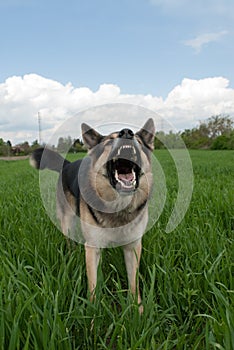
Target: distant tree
<point>219,125</point>
<point>203,130</point>
<point>220,142</point>
<point>170,140</point>
<point>61,145</point>
<point>9,144</point>
<point>206,133</point>
<point>34,145</point>
<point>173,140</point>
<point>69,142</point>
<point>223,142</point>
<point>64,144</point>
<point>25,148</point>
<point>231,140</point>
<point>77,146</point>
<point>5,148</point>
<point>159,140</point>
<point>186,136</point>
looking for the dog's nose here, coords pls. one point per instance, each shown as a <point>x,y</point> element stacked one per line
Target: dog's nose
<point>126,134</point>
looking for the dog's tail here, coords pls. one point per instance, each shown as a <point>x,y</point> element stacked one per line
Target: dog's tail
<point>44,158</point>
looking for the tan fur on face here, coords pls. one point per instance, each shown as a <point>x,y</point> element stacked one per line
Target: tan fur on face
<point>115,201</point>
<point>100,180</point>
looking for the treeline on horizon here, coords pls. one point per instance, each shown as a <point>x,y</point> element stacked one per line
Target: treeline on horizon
<point>216,133</point>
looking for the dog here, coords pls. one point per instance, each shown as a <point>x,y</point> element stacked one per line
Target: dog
<point>109,190</point>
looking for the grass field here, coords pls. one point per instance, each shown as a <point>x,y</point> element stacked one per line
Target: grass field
<point>186,276</point>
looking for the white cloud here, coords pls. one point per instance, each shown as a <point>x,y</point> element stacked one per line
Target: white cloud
<point>195,100</point>
<point>21,98</point>
<point>206,38</point>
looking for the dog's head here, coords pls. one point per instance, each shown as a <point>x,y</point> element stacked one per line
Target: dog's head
<point>122,158</point>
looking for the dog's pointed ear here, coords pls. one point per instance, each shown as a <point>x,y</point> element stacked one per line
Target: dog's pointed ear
<point>147,134</point>
<point>90,136</point>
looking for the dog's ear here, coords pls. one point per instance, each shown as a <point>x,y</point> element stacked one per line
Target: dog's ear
<point>90,136</point>
<point>147,134</point>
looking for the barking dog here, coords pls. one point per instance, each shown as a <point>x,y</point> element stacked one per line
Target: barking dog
<point>109,190</point>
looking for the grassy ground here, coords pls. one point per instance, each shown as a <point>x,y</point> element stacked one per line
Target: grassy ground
<point>186,276</point>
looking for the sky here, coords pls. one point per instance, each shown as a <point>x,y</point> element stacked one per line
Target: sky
<point>60,58</point>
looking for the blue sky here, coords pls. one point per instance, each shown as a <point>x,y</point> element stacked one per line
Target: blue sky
<point>140,48</point>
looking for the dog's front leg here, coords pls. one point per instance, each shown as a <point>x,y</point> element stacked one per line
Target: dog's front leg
<point>92,257</point>
<point>132,256</point>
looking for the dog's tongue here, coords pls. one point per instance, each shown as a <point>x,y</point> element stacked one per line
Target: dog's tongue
<point>126,177</point>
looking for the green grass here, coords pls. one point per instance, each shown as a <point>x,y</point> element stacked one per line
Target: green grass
<point>186,276</point>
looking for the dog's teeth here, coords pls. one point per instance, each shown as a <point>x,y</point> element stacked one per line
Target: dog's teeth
<point>134,176</point>
<point>126,147</point>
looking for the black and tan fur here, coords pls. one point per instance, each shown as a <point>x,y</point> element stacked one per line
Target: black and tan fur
<point>109,190</point>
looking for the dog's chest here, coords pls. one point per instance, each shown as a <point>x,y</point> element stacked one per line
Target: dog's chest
<point>108,235</point>
<point>117,219</point>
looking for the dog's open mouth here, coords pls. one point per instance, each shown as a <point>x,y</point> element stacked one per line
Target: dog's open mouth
<point>123,169</point>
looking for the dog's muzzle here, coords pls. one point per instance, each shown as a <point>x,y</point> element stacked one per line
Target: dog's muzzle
<point>124,164</point>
